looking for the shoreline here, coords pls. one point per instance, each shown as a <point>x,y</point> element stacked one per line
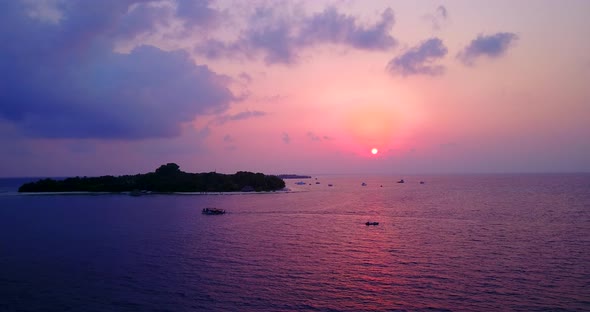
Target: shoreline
<point>283,191</point>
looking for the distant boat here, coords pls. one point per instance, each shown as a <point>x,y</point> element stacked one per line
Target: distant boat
<point>330,185</point>
<point>371,223</point>
<point>300,183</point>
<point>401,181</point>
<point>363,184</point>
<point>317,183</point>
<point>213,211</point>
<point>421,182</point>
<point>139,193</point>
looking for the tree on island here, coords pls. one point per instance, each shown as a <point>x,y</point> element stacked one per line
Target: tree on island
<point>166,179</point>
<point>168,169</point>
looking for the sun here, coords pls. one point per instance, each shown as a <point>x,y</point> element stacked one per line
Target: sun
<point>374,151</point>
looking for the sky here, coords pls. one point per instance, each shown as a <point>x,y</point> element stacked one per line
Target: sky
<point>309,87</point>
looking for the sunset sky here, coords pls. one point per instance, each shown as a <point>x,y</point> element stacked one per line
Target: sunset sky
<point>310,87</point>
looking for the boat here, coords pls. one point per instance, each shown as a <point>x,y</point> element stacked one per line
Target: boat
<point>213,211</point>
<point>363,184</point>
<point>317,183</point>
<point>371,223</point>
<point>330,185</point>
<point>421,182</point>
<point>300,183</point>
<point>136,193</point>
<point>401,181</point>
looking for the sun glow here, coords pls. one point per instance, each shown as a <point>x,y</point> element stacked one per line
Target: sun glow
<point>374,151</point>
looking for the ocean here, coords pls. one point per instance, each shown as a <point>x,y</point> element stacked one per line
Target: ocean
<point>455,243</point>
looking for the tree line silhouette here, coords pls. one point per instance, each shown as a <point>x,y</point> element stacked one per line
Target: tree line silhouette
<point>167,178</point>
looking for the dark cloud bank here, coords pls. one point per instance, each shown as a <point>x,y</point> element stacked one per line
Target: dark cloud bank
<point>62,79</point>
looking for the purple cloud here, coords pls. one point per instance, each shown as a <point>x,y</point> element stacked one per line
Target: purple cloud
<point>63,80</point>
<point>441,11</point>
<point>280,38</point>
<point>239,116</point>
<point>312,136</point>
<point>439,18</point>
<point>245,77</point>
<point>197,12</point>
<point>285,137</point>
<point>274,39</point>
<point>228,139</point>
<point>333,27</point>
<point>419,59</point>
<point>492,46</point>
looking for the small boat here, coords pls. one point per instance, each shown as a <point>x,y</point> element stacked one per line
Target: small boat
<point>421,182</point>
<point>213,211</point>
<point>300,183</point>
<point>330,185</point>
<point>317,183</point>
<point>371,223</point>
<point>401,181</point>
<point>363,184</point>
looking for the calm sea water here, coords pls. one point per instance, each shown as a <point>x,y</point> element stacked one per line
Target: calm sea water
<point>456,243</point>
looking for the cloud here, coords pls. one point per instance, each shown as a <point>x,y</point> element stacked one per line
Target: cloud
<point>239,116</point>
<point>439,18</point>
<point>316,138</point>
<point>63,80</point>
<point>279,37</point>
<point>312,136</point>
<point>330,26</point>
<point>273,38</point>
<point>245,77</point>
<point>139,19</point>
<point>441,11</point>
<point>285,137</point>
<point>46,11</point>
<point>419,59</point>
<point>492,46</point>
<point>197,12</point>
<point>228,139</point>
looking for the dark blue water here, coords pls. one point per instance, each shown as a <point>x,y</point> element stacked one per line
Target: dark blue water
<point>459,243</point>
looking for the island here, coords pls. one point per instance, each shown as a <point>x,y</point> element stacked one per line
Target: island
<point>166,179</point>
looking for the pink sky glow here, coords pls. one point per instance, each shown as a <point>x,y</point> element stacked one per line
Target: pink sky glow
<point>310,87</point>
